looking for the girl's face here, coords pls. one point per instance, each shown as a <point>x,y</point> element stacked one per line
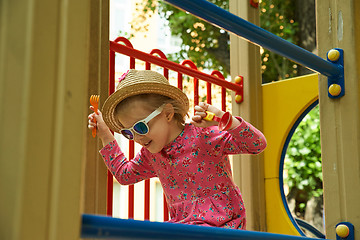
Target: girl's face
<point>161,130</point>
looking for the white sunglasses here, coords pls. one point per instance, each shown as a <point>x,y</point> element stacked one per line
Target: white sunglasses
<point>141,127</point>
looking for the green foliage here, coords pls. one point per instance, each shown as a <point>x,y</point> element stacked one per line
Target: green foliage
<point>208,46</point>
<point>125,34</point>
<point>303,158</point>
<point>204,44</point>
<point>277,17</point>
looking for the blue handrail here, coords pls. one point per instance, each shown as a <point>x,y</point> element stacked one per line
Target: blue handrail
<point>232,23</point>
<point>102,227</point>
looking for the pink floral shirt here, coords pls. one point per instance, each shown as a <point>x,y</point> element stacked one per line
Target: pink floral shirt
<point>195,173</point>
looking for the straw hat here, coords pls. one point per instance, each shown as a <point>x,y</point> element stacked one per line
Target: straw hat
<point>135,82</point>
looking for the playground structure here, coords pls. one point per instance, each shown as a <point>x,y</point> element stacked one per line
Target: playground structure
<point>53,179</point>
<point>294,93</point>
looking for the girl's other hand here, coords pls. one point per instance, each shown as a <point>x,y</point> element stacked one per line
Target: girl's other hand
<point>103,132</point>
<point>200,113</point>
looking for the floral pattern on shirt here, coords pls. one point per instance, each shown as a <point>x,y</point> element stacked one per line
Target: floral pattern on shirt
<point>195,173</point>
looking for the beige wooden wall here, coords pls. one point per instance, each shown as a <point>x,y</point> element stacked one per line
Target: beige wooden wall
<point>338,25</point>
<point>50,50</point>
<point>249,169</point>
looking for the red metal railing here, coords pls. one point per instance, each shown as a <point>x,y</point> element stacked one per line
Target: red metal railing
<point>188,68</point>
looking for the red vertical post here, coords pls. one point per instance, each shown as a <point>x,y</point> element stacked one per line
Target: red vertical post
<point>179,81</point>
<point>109,179</point>
<point>196,91</point>
<point>131,187</point>
<point>147,200</point>
<point>131,202</point>
<point>147,181</point>
<point>131,144</point>
<point>165,206</point>
<point>223,90</point>
<point>109,189</point>
<point>166,210</point>
<point>196,81</point>
<point>131,156</point>
<point>223,99</point>
<point>208,93</point>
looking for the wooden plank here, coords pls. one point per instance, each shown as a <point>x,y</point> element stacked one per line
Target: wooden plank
<point>249,169</point>
<point>44,69</point>
<point>95,174</point>
<point>338,26</point>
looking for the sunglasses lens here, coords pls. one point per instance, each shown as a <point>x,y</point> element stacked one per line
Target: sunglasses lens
<point>127,133</point>
<point>141,128</point>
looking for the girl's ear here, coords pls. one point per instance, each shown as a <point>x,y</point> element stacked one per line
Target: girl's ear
<point>169,112</point>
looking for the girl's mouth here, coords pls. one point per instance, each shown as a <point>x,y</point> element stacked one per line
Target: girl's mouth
<point>147,144</point>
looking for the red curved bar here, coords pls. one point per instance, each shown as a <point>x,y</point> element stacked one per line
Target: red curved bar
<point>124,40</point>
<point>161,55</point>
<point>157,57</point>
<point>192,65</point>
<point>223,90</point>
<point>158,52</point>
<point>172,66</point>
<point>128,44</point>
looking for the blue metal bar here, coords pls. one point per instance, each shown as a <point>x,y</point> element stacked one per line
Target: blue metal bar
<point>309,228</point>
<point>232,23</point>
<point>102,227</point>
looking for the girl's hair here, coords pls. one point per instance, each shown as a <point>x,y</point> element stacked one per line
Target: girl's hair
<point>152,101</point>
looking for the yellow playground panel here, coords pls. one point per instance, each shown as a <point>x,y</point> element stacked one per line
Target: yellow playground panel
<point>284,102</point>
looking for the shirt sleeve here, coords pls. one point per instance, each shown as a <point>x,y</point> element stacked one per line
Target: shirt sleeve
<point>244,139</point>
<point>126,171</point>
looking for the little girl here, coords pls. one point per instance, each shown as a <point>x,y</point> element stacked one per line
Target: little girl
<point>191,160</point>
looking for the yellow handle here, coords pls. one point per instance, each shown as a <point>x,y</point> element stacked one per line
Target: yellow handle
<point>209,116</point>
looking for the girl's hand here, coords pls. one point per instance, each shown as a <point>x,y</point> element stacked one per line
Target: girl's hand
<point>200,113</point>
<point>103,132</point>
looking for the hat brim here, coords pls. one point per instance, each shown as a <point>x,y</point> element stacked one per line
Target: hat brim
<point>108,110</point>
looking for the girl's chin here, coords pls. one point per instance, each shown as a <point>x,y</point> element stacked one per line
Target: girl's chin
<point>153,149</point>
